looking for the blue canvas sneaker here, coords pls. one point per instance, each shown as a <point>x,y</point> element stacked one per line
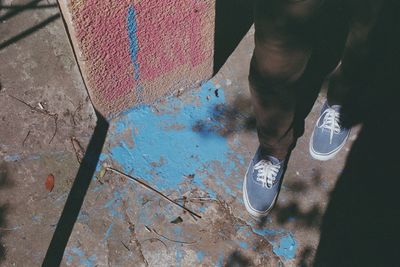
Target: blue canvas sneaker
<point>262,184</point>
<point>329,136</point>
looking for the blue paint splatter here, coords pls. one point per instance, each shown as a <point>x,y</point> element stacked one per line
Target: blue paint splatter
<point>69,259</point>
<point>83,217</point>
<point>243,245</point>
<point>133,41</point>
<point>220,261</point>
<point>108,232</point>
<point>36,218</point>
<point>267,232</point>
<point>200,255</point>
<point>83,259</point>
<point>12,158</point>
<point>284,245</point>
<point>34,157</point>
<point>195,147</point>
<point>286,248</point>
<point>114,204</point>
<point>179,256</point>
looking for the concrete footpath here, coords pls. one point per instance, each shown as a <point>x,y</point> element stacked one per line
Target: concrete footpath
<point>193,147</point>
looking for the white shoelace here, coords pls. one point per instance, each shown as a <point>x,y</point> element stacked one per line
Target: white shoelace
<point>330,122</point>
<point>266,172</point>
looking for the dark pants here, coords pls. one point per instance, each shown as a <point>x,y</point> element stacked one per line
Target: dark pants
<point>297,44</point>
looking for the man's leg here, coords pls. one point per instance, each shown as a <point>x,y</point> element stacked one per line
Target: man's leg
<point>282,72</point>
<point>330,133</point>
<point>283,47</point>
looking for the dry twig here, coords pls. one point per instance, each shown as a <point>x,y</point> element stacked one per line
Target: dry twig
<point>141,182</point>
<point>26,137</point>
<point>76,110</point>
<point>79,151</point>
<point>42,111</point>
<point>156,239</point>
<point>169,239</point>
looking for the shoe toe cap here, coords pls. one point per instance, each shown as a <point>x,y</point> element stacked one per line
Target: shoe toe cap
<point>259,199</point>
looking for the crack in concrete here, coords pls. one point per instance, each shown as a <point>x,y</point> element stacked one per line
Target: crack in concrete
<point>133,236</point>
<point>227,210</point>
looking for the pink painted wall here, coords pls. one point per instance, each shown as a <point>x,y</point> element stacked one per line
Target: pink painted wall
<point>132,52</point>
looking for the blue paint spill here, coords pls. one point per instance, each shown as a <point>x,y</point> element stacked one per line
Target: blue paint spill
<point>286,248</point>
<point>12,158</point>
<point>284,245</point>
<point>196,146</point>
<point>133,41</point>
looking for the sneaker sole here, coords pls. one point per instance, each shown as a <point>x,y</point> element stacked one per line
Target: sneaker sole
<point>325,157</point>
<point>254,213</point>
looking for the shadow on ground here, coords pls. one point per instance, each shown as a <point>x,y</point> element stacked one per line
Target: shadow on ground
<point>361,224</point>
<point>77,194</point>
<point>4,183</point>
<point>230,119</point>
<point>13,10</point>
<point>236,259</point>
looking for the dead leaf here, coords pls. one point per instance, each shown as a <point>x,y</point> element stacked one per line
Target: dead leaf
<point>177,220</point>
<point>49,184</point>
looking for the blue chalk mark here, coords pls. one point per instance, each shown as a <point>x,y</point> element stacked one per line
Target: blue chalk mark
<point>196,147</point>
<point>286,248</point>
<point>108,232</point>
<point>133,41</point>
<point>12,158</point>
<point>200,255</point>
